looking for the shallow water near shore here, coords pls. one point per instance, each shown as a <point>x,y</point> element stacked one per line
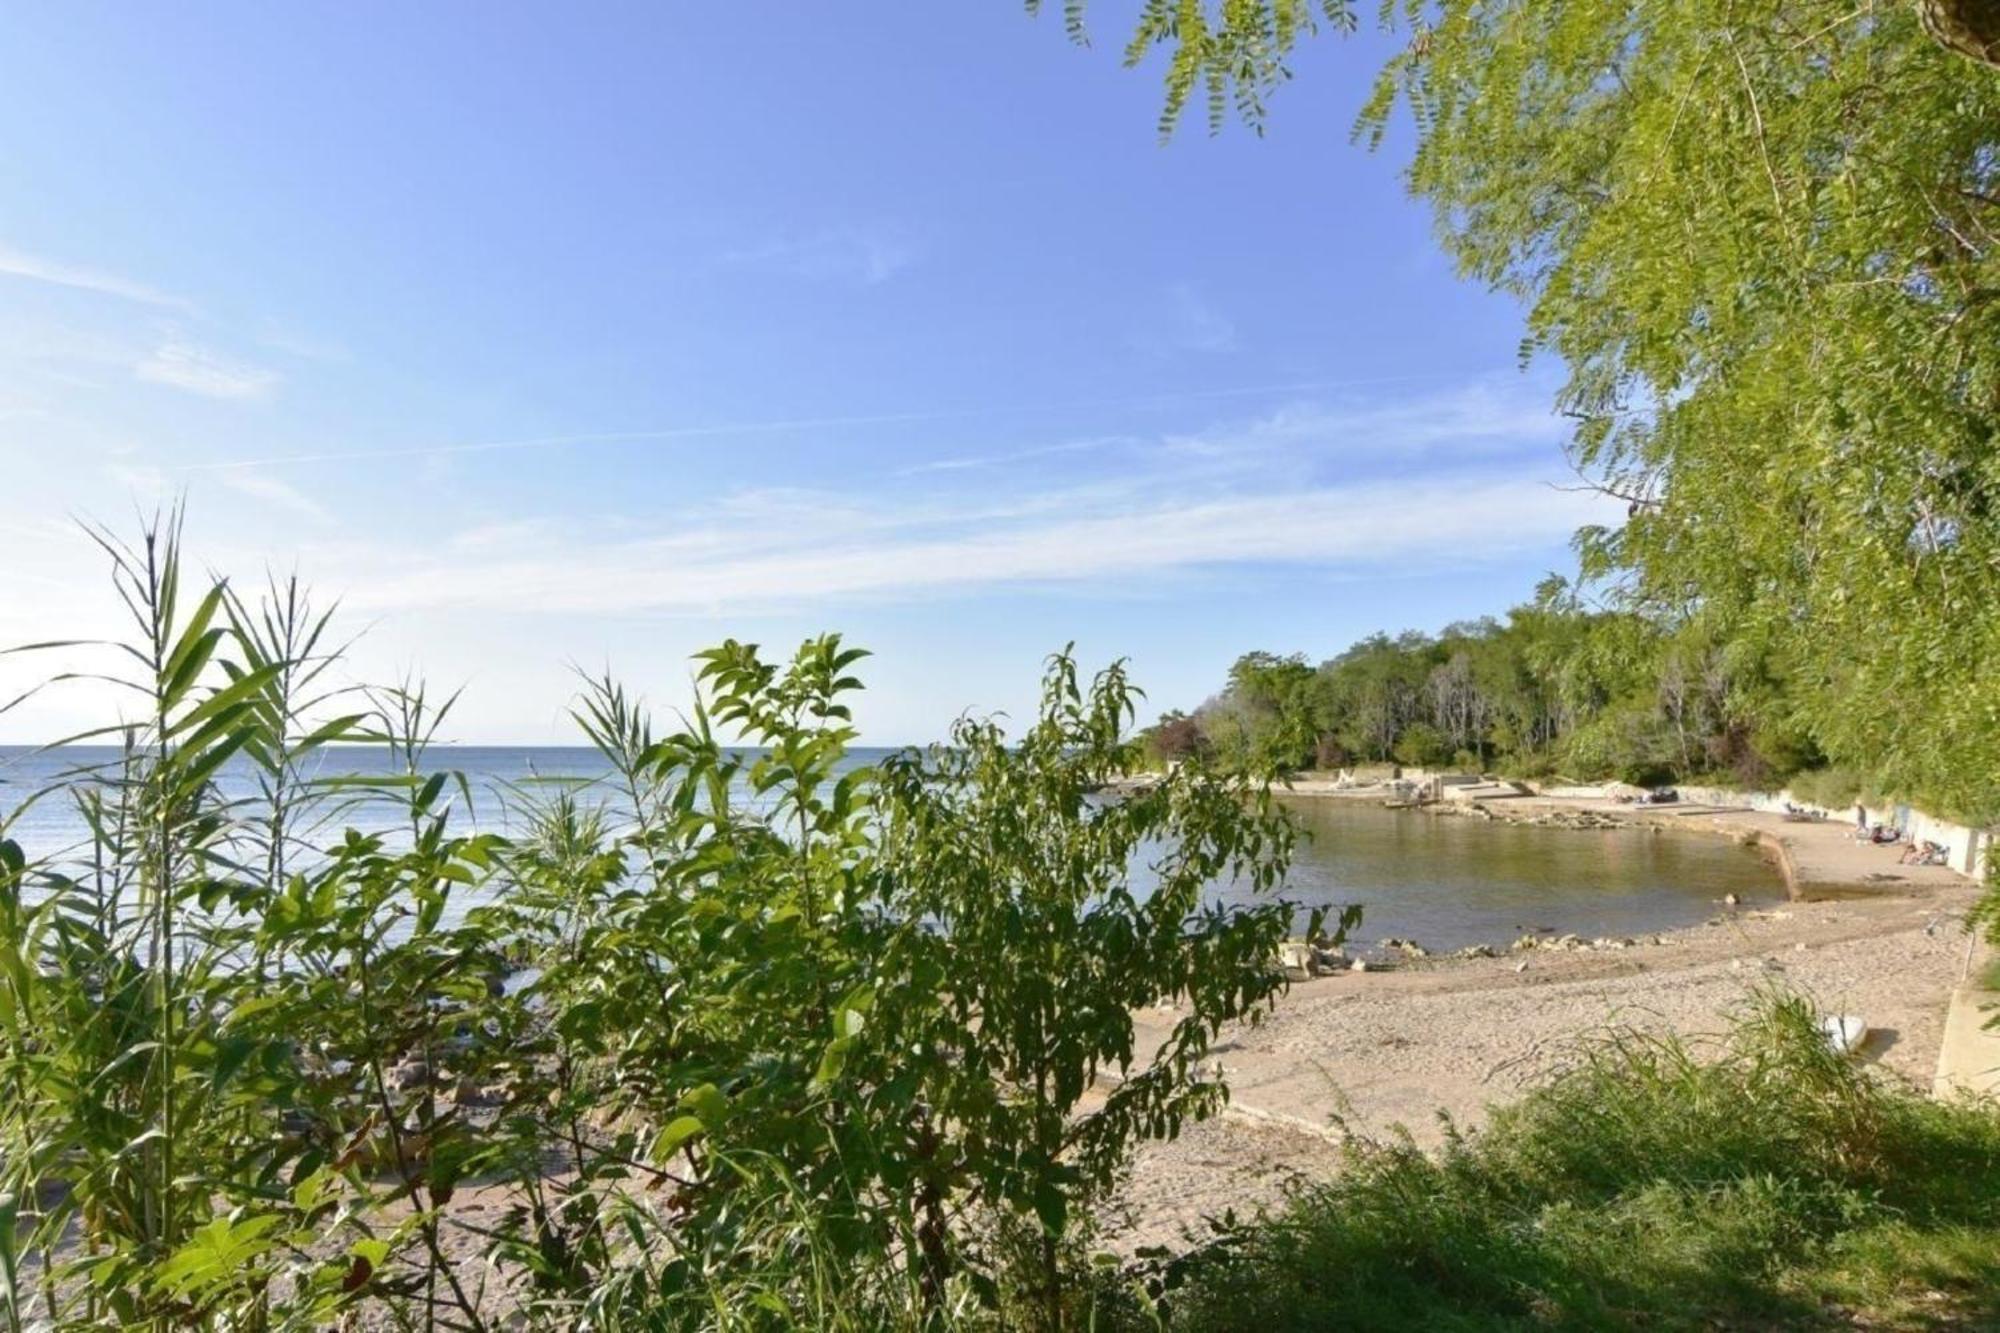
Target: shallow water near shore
<point>1450,881</point>
<point>1444,881</point>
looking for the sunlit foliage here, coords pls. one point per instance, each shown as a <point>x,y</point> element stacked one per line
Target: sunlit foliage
<point>745,1034</point>
<point>1555,689</point>
<point>1765,239</point>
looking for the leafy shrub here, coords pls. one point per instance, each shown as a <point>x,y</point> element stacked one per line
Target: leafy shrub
<point>744,1035</point>
<point>1423,746</point>
<point>1621,740</point>
<point>1833,788</point>
<point>1176,737</point>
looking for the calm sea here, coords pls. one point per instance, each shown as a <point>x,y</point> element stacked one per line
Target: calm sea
<point>1445,882</point>
<point>492,774</point>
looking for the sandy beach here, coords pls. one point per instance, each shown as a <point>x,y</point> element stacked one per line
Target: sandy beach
<point>1374,1052</point>
<point>1384,1051</point>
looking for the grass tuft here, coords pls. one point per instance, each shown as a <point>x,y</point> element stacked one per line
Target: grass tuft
<point>1989,975</point>
<point>1760,1181</point>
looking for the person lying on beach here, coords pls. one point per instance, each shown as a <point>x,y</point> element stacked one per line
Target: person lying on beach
<point>1926,853</point>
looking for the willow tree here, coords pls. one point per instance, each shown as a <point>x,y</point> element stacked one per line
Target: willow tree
<point>1763,239</point>
<point>1232,53</point>
<point>1764,236</point>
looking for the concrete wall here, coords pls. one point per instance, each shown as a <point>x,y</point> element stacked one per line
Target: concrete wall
<point>1584,793</point>
<point>1967,849</point>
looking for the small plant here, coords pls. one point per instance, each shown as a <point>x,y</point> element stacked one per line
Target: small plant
<point>1989,975</point>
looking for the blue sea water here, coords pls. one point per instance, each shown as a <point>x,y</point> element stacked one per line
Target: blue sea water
<point>493,775</point>
<point>1446,882</point>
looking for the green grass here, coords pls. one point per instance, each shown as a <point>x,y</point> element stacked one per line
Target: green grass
<point>1989,975</point>
<point>1760,1183</point>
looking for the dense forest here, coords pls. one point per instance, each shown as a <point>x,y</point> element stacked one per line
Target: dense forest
<point>1555,689</point>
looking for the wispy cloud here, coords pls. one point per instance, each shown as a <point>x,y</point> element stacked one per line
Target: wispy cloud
<point>1188,322</point>
<point>792,425</point>
<point>861,255</point>
<point>968,462</point>
<point>182,364</point>
<point>151,484</point>
<point>34,268</point>
<point>1477,416</point>
<point>1306,484</point>
<point>1436,525</point>
<point>280,337</point>
<point>276,493</point>
<point>1412,481</point>
<point>142,481</point>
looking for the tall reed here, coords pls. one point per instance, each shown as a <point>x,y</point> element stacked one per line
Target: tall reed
<point>743,1034</point>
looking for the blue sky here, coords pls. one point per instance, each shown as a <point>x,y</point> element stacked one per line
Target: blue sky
<point>547,338</point>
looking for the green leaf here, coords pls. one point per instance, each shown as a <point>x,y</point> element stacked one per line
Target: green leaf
<point>707,1101</point>
<point>216,1254</point>
<point>374,1249</point>
<point>833,1060</point>
<point>1051,1207</point>
<point>194,647</point>
<point>679,1132</point>
<point>233,695</point>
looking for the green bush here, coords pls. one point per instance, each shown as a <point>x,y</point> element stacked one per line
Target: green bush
<point>744,1036</point>
<point>1423,746</point>
<point>1651,1183</point>
<point>1618,741</point>
<point>1833,788</point>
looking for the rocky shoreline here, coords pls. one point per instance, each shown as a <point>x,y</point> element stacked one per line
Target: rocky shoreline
<point>1306,960</point>
<point>1416,1040</point>
<point>1380,1051</point>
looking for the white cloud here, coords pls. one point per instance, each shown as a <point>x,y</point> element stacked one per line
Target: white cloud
<point>504,535</point>
<point>1399,481</point>
<point>967,462</point>
<point>282,338</point>
<point>150,484</point>
<point>33,268</point>
<point>1411,483</point>
<point>797,425</point>
<point>140,481</point>
<point>1436,524</point>
<point>184,365</point>
<point>1466,419</point>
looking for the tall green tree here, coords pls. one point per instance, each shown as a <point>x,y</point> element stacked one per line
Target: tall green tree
<point>1763,238</point>
<point>1231,55</point>
<point>1764,235</point>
